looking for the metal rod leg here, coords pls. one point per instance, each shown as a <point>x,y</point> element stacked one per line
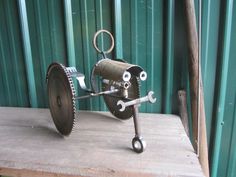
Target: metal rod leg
<point>138,143</point>
<point>136,121</point>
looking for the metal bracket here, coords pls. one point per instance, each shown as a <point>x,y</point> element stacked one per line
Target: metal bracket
<point>79,77</point>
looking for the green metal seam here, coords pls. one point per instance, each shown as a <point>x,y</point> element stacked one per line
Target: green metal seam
<point>150,47</point>
<point>134,32</point>
<point>53,44</point>
<point>27,53</point>
<point>207,40</point>
<point>99,25</point>
<point>2,88</point>
<point>5,76</point>
<point>220,106</point>
<point>70,43</point>
<point>52,20</point>
<point>51,17</point>
<point>232,156</point>
<point>42,53</point>
<point>69,33</point>
<point>41,40</point>
<point>13,54</point>
<point>2,93</point>
<point>99,21</point>
<point>118,29</point>
<point>169,57</point>
<point>86,54</point>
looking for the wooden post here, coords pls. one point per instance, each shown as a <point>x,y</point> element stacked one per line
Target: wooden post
<point>183,109</point>
<point>193,73</point>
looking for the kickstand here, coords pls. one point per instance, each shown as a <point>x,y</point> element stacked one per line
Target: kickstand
<point>138,143</point>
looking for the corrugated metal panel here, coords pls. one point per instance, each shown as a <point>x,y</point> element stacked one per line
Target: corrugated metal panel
<point>142,28</point>
<point>226,143</point>
<point>150,33</point>
<point>47,39</point>
<point>13,87</point>
<point>221,103</point>
<point>92,16</point>
<point>210,33</point>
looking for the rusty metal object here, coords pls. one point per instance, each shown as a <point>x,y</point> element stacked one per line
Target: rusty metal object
<point>118,71</point>
<point>61,95</point>
<point>111,100</point>
<point>120,86</point>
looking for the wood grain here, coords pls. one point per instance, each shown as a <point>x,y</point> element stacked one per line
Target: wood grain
<point>195,76</point>
<point>100,145</point>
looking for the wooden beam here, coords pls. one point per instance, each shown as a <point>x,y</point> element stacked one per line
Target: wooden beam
<point>199,126</point>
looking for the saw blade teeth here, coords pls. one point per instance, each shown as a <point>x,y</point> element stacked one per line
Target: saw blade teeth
<point>61,69</point>
<point>75,125</point>
<point>73,94</point>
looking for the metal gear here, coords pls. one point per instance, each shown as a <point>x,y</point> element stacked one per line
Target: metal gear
<point>61,95</point>
<point>111,100</point>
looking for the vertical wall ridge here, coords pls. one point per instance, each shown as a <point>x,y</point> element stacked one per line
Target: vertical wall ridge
<point>220,104</point>
<point>28,54</point>
<point>169,57</point>
<point>150,48</point>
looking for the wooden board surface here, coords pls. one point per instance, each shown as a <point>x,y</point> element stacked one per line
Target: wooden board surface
<point>100,145</point>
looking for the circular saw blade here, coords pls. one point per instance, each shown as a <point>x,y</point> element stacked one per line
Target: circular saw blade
<point>111,100</point>
<point>61,95</point>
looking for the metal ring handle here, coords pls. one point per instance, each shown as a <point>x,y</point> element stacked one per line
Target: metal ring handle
<point>95,38</point>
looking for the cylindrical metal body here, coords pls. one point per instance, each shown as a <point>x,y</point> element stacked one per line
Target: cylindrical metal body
<point>118,71</point>
<point>124,84</point>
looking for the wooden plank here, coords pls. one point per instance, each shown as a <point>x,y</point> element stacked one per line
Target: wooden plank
<point>100,145</point>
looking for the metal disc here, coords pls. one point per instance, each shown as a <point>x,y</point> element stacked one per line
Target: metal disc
<point>61,95</point>
<point>111,101</point>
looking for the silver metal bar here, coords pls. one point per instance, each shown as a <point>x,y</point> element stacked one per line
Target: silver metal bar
<point>149,98</point>
<point>97,94</point>
<point>137,128</point>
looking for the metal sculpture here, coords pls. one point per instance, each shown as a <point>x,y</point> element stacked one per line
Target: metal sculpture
<point>120,87</point>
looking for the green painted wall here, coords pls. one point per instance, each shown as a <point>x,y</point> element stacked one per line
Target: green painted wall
<point>151,33</point>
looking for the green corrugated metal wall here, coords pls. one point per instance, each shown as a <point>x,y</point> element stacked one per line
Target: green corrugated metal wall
<point>150,33</point>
